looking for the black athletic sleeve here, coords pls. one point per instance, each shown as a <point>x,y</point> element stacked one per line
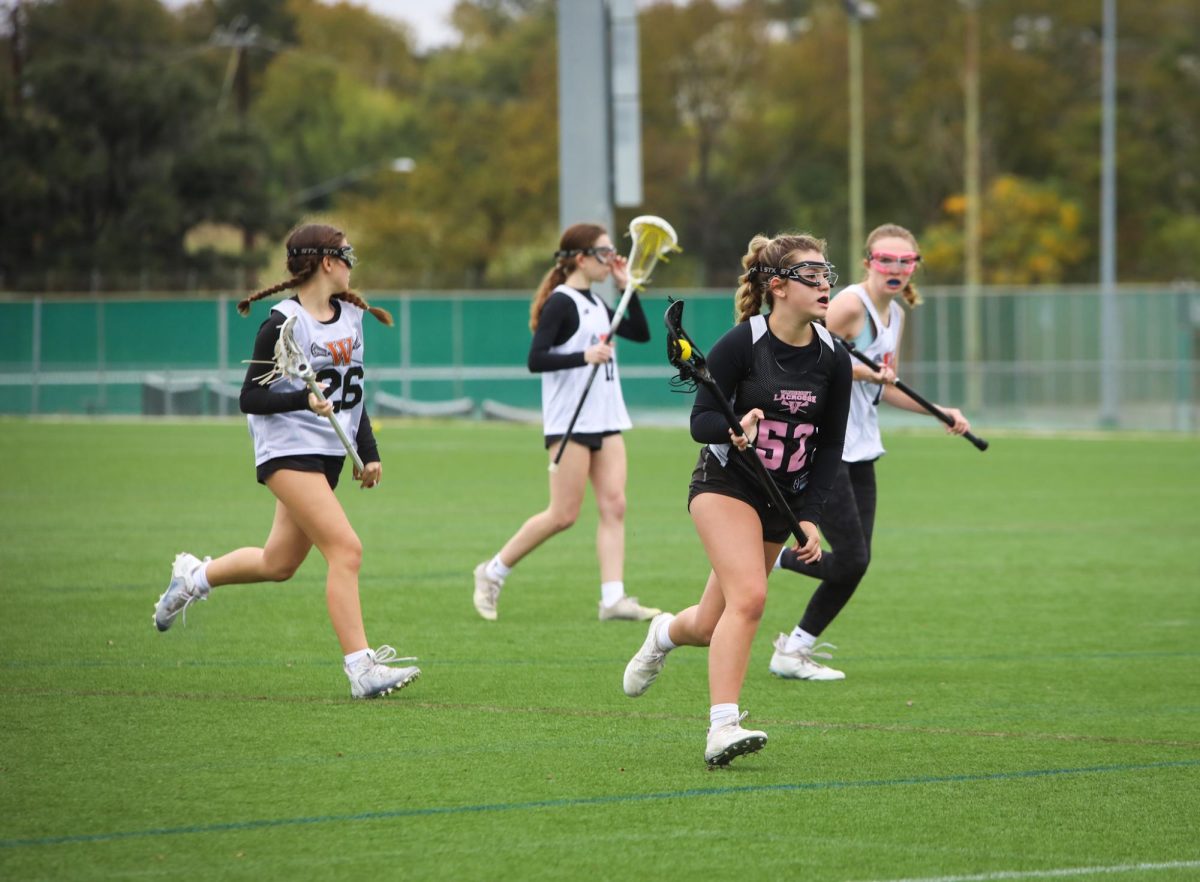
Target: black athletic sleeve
<point>368,449</point>
<point>558,321</point>
<point>258,399</point>
<point>633,324</point>
<point>728,361</point>
<point>831,439</point>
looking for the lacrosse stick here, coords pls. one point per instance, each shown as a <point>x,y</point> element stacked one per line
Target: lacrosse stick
<point>290,362</point>
<point>932,408</point>
<point>687,358</point>
<point>653,239</point>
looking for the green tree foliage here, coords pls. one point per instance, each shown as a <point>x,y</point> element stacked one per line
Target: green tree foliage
<point>1030,235</point>
<point>480,208</point>
<point>134,123</point>
<point>111,155</point>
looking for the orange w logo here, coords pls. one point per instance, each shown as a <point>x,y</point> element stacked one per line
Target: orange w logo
<point>340,350</point>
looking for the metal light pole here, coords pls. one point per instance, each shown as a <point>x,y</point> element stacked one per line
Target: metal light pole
<point>857,11</point>
<point>585,177</point>
<point>974,272</point>
<point>1110,326</point>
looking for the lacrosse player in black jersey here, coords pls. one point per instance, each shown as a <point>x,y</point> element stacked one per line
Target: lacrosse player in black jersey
<point>791,386</point>
<point>569,324</point>
<point>299,455</point>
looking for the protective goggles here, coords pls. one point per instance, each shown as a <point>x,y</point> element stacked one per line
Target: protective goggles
<point>813,273</point>
<point>345,253</point>
<point>894,263</point>
<point>603,253</point>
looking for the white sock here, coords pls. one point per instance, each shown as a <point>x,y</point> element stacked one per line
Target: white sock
<point>662,635</point>
<point>722,715</point>
<point>779,559</point>
<point>611,592</point>
<point>200,577</point>
<point>497,570</point>
<point>355,657</point>
<point>799,639</point>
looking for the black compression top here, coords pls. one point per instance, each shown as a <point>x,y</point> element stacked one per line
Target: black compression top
<point>560,319</point>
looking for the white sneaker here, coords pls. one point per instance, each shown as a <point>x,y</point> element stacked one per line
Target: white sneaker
<point>644,667</point>
<point>487,592</point>
<point>180,593</point>
<point>372,678</point>
<point>627,609</point>
<point>799,665</point>
<point>731,740</point>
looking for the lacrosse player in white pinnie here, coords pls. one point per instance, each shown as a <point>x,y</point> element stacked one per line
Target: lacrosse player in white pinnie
<point>868,315</point>
<point>569,324</point>
<point>299,455</point>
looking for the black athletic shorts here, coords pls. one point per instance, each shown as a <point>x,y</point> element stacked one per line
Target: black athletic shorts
<point>593,441</point>
<point>331,466</point>
<point>710,476</point>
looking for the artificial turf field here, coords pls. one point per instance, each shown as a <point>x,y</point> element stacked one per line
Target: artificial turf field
<point>1022,697</point>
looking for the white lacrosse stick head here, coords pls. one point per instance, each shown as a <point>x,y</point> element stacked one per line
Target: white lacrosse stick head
<point>289,358</point>
<point>653,239</point>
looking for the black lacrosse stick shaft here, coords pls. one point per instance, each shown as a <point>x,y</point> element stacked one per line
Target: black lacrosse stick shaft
<point>911,393</point>
<point>695,368</point>
<point>562,444</point>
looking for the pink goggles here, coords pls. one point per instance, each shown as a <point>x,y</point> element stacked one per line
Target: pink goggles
<point>895,263</point>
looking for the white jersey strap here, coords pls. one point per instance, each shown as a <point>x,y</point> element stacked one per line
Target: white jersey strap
<point>758,327</point>
<point>823,333</point>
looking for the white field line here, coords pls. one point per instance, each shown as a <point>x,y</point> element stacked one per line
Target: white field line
<point>1051,874</point>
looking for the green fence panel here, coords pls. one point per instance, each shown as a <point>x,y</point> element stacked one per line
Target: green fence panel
<point>1040,361</point>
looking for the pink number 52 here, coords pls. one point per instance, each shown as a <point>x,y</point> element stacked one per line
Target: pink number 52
<point>771,444</point>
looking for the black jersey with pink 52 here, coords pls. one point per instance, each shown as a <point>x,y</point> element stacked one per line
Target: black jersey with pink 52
<point>804,394</point>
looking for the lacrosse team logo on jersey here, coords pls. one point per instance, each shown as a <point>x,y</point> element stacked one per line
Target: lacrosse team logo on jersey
<point>795,400</point>
<point>339,351</point>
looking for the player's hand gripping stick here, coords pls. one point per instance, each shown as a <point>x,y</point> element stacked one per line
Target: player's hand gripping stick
<point>907,390</point>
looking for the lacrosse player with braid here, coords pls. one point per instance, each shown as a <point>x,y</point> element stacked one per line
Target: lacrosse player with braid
<point>569,324</point>
<point>299,455</point>
<point>789,385</point>
<point>868,315</point>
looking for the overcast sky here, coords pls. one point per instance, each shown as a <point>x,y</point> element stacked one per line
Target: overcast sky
<point>427,17</point>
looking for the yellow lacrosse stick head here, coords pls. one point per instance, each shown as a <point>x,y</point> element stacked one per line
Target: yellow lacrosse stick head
<point>653,239</point>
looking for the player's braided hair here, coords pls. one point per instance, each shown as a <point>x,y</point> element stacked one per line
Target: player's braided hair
<point>304,266</point>
<point>754,289</point>
<point>910,293</point>
<point>575,240</point>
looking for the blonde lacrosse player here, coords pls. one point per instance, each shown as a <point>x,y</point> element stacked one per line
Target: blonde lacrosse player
<point>299,456</point>
<point>869,315</point>
<point>569,324</point>
<point>790,387</point>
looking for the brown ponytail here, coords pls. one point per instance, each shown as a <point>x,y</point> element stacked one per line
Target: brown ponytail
<point>243,306</point>
<point>754,287</point>
<point>304,266</point>
<point>379,312</point>
<point>575,240</point>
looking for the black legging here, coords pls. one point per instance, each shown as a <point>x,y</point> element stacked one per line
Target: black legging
<point>847,521</point>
